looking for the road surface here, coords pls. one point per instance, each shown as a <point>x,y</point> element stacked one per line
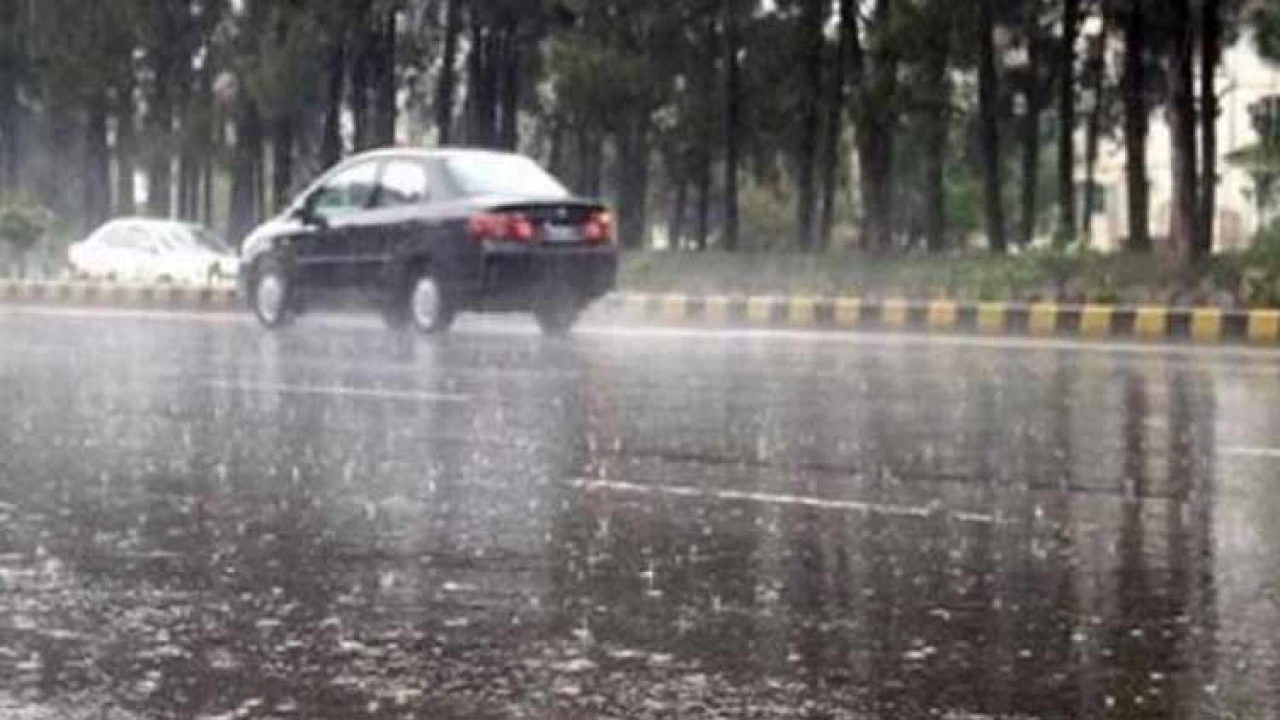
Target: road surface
<point>198,520</point>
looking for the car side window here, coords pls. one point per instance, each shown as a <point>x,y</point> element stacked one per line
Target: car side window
<point>404,182</point>
<point>124,238</point>
<point>349,191</point>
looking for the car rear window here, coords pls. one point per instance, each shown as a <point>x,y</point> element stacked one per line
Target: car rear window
<point>485,174</point>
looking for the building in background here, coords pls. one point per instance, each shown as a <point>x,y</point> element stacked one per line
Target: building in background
<point>1245,82</point>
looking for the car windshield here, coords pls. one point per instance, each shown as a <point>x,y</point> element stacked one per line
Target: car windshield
<point>207,239</point>
<point>496,174</point>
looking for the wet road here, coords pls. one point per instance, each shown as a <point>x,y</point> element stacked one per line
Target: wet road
<point>201,521</point>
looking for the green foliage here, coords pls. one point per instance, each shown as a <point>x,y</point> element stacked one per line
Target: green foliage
<point>1266,30</point>
<point>1258,270</point>
<point>23,225</point>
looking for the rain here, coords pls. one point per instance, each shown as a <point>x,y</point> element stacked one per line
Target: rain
<point>212,522</point>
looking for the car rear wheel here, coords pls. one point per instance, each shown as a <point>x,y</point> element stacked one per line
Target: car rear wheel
<point>270,295</point>
<point>557,317</point>
<point>427,306</point>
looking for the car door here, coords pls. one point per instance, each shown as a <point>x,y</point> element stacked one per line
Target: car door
<point>322,251</point>
<point>133,251</point>
<point>404,188</point>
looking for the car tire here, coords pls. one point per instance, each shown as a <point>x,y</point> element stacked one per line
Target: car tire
<point>271,294</point>
<point>557,317</point>
<point>425,304</point>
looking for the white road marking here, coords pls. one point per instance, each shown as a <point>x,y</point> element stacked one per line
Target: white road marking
<point>866,508</point>
<point>340,391</point>
<point>1265,453</point>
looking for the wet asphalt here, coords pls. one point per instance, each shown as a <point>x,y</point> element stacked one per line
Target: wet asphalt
<point>200,520</point>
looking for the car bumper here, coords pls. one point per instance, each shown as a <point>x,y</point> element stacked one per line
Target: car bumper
<point>518,275</point>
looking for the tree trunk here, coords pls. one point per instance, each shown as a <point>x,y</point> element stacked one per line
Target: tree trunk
<point>1030,190</point>
<point>1210,57</point>
<point>509,130</point>
<point>97,177</point>
<point>246,170</point>
<point>282,143</point>
<point>187,138</point>
<point>446,88</point>
<point>937,129</point>
<point>10,141</point>
<point>475,78</point>
<point>732,127</point>
<point>482,85</point>
<point>1184,225</point>
<point>590,162</point>
<point>160,137</point>
<point>1097,81</point>
<point>835,124</point>
<point>1136,120</point>
<point>361,76</point>
<point>384,80</point>
<point>678,212</point>
<point>811,41</point>
<point>702,230</point>
<point>126,145</point>
<point>988,97</point>
<point>1067,123</point>
<point>206,193</point>
<point>877,83</point>
<point>331,143</point>
<point>875,160</point>
<point>633,181</point>
<point>555,151</point>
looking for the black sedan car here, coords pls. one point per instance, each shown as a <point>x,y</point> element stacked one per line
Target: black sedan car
<point>426,234</point>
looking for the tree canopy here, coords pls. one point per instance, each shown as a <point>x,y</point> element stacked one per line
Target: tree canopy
<point>881,124</point>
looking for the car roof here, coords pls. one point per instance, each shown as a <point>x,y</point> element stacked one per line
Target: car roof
<point>151,223</point>
<point>429,153</point>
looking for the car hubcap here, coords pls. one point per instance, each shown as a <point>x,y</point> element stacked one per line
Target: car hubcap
<point>271,297</point>
<point>426,303</point>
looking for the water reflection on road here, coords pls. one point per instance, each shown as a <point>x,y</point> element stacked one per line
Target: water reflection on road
<point>343,524</point>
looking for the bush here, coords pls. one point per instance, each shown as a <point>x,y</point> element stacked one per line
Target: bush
<point>22,227</point>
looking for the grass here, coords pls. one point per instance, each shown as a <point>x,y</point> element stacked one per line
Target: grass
<point>1233,280</point>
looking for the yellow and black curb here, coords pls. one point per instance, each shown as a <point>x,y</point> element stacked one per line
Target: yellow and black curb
<point>1045,320</point>
<point>131,297</point>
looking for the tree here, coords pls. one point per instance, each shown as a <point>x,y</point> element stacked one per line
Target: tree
<point>446,86</point>
<point>1035,84</point>
<point>1096,77</point>
<point>1184,224</point>
<point>12,64</point>
<point>1136,122</point>
<point>1211,30</point>
<point>989,128</point>
<point>837,93</point>
<point>875,79</point>
<point>22,226</point>
<point>1067,121</point>
<point>733,121</point>
<point>810,44</point>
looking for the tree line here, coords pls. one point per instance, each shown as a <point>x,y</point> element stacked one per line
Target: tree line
<point>798,124</point>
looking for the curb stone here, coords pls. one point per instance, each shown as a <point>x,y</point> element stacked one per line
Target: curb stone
<point>1204,325</point>
<point>1155,323</point>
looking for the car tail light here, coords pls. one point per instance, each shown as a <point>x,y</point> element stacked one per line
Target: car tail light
<point>599,229</point>
<point>512,227</point>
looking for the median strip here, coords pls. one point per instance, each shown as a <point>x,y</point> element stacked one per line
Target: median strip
<point>1154,323</point>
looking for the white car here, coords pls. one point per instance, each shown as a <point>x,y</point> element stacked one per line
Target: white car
<point>154,252</point>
